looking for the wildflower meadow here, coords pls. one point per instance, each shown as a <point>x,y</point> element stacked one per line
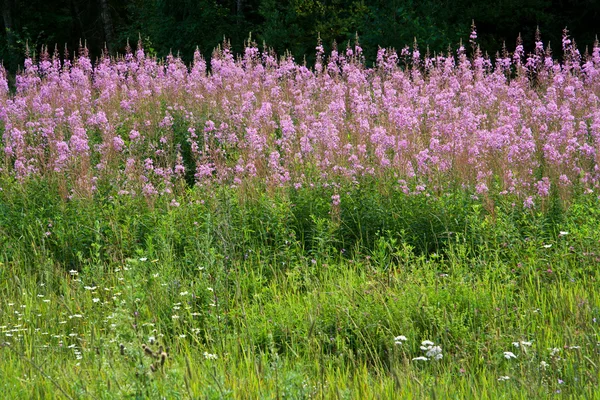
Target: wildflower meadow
<point>249,226</point>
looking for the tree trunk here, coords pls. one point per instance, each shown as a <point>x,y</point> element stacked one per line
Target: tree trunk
<point>7,14</point>
<point>76,13</point>
<point>107,24</point>
<point>239,7</point>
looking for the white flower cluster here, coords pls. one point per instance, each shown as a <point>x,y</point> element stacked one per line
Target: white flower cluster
<point>432,352</point>
<point>400,339</point>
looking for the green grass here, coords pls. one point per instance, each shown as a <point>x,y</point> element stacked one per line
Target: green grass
<point>296,298</point>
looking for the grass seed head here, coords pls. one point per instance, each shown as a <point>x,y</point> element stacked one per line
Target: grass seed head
<point>147,350</point>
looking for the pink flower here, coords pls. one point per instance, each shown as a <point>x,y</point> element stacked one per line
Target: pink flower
<point>335,200</point>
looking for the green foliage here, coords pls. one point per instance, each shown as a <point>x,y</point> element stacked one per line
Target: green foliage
<point>243,294</point>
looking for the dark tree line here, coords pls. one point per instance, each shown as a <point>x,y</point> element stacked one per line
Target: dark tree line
<point>294,25</point>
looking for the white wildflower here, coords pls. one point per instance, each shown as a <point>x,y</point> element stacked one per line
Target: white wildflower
<point>523,344</point>
<point>435,352</point>
<point>400,339</point>
<point>554,351</point>
<point>432,350</point>
<point>509,354</point>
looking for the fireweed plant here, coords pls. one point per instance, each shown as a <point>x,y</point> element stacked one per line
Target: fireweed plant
<point>521,126</point>
<point>249,227</point>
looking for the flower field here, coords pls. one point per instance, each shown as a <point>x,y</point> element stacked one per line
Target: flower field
<point>134,126</point>
<point>251,227</point>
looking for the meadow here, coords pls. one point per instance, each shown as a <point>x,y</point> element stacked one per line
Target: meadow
<point>250,227</point>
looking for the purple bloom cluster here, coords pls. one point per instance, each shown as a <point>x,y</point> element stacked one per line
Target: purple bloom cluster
<point>515,124</point>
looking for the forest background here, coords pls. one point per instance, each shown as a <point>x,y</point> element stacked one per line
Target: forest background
<point>285,25</point>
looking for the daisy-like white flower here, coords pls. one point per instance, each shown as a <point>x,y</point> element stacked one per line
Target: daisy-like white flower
<point>563,233</point>
<point>504,378</point>
<point>210,356</point>
<point>421,358</point>
<point>509,354</point>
